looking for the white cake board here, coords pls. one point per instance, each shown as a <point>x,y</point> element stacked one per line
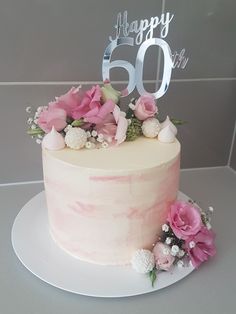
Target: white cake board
<point>37,251</point>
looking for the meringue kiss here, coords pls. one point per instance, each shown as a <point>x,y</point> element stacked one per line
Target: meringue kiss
<point>168,122</point>
<point>53,140</point>
<point>166,135</point>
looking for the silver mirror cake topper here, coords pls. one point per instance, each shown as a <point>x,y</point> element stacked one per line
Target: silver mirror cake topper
<point>145,40</point>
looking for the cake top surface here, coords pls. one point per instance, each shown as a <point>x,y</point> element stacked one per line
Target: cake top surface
<point>139,154</point>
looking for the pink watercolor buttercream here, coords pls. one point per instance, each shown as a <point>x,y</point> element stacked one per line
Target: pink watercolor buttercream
<point>103,216</point>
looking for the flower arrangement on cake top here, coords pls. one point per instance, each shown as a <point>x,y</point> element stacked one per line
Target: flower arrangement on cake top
<point>186,238</point>
<point>93,119</point>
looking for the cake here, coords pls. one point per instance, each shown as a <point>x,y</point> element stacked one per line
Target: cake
<point>104,204</point>
<point>111,179</point>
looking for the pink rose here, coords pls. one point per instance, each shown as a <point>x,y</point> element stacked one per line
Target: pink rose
<point>89,105</point>
<point>114,126</point>
<point>52,117</point>
<point>145,107</point>
<point>200,246</point>
<point>68,102</point>
<point>185,219</point>
<point>163,258</point>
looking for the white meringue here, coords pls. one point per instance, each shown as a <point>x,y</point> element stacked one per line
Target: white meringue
<point>168,122</point>
<point>53,140</point>
<point>166,135</point>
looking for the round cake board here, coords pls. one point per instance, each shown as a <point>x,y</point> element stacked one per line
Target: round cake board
<point>38,252</point>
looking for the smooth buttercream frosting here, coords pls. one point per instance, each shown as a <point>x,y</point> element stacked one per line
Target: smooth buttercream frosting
<point>104,204</point>
<point>142,153</point>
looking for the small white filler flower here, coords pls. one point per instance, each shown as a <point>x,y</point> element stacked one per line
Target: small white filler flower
<point>151,127</point>
<point>75,138</point>
<point>165,228</point>
<point>143,261</point>
<point>192,244</point>
<point>168,240</point>
<point>174,250</point>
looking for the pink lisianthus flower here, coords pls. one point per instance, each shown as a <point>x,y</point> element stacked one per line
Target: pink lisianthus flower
<point>68,101</point>
<point>90,104</point>
<point>164,260</point>
<point>185,219</point>
<point>145,107</point>
<point>200,246</point>
<point>52,117</point>
<point>98,116</point>
<point>114,126</point>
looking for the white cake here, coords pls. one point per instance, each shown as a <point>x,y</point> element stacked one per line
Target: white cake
<point>104,204</point>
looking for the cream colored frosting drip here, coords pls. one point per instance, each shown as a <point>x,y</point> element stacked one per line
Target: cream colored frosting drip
<point>142,153</point>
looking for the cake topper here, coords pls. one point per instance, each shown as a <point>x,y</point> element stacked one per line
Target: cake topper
<point>144,36</point>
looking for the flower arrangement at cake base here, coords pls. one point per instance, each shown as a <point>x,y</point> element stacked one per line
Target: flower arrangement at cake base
<point>187,238</point>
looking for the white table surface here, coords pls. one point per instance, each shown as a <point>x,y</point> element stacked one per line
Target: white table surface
<point>211,289</point>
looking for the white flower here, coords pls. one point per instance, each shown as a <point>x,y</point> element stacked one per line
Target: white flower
<point>40,136</point>
<point>28,109</point>
<point>143,261</point>
<point>168,240</point>
<point>165,228</point>
<point>94,133</point>
<point>174,250</point>
<point>211,209</point>
<point>181,253</point>
<point>88,134</point>
<point>208,225</point>
<point>192,244</point>
<point>166,251</point>
<point>39,109</point>
<point>30,120</point>
<point>75,138</point>
<point>38,141</point>
<point>99,139</point>
<point>180,264</point>
<point>151,127</point>
<point>101,136</point>
<point>105,145</point>
<point>33,126</point>
<point>88,145</point>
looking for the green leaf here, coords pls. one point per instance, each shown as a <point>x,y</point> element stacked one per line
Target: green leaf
<point>77,123</point>
<point>177,121</point>
<point>35,131</point>
<point>134,130</point>
<point>153,276</point>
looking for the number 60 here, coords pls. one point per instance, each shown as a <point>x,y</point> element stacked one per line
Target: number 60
<point>136,73</point>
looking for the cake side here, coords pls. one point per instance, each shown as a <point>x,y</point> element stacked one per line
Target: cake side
<point>102,213</point>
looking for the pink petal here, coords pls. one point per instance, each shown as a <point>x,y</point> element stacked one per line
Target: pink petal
<point>121,130</point>
<point>116,113</point>
<point>58,124</point>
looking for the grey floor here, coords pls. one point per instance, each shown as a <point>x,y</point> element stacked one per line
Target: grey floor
<point>211,289</point>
